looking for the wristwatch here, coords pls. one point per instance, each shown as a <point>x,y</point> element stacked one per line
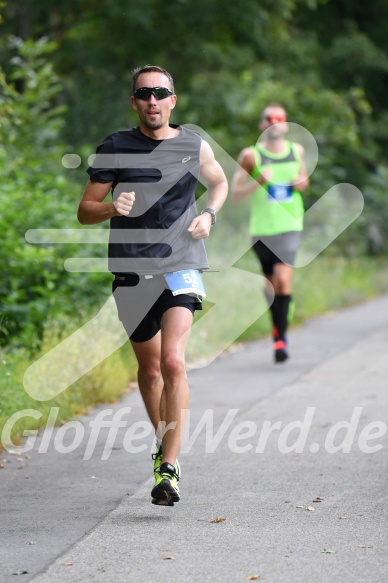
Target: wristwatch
<point>212,212</point>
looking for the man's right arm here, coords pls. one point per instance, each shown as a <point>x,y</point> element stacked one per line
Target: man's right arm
<point>93,210</point>
<point>243,185</point>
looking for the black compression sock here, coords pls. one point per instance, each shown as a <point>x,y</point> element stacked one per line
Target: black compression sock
<point>280,312</point>
<point>270,300</point>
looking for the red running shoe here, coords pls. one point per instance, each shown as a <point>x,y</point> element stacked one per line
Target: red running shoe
<point>280,351</point>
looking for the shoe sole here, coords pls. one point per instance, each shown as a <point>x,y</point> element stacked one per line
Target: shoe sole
<point>162,502</point>
<point>164,493</point>
<point>280,355</point>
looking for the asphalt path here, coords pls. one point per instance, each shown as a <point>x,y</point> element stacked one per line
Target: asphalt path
<point>283,474</point>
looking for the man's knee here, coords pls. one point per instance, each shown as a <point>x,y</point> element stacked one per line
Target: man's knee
<point>283,287</point>
<point>172,366</point>
<point>282,280</point>
<point>149,373</point>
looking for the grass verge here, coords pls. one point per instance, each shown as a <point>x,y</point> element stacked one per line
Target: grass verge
<point>105,383</point>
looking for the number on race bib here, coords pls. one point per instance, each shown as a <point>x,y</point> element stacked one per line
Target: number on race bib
<point>191,278</point>
<point>187,281</point>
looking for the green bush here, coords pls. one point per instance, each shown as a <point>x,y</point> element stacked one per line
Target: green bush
<point>37,192</point>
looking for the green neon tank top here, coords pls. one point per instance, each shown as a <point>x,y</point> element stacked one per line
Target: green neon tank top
<point>276,207</point>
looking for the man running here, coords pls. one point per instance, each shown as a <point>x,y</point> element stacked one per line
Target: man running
<point>273,174</point>
<point>156,250</point>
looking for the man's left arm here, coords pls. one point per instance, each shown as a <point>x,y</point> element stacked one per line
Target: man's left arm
<point>301,182</point>
<point>217,185</point>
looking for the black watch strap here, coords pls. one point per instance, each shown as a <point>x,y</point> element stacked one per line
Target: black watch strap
<point>212,212</point>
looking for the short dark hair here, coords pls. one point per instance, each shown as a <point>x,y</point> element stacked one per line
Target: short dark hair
<point>150,69</point>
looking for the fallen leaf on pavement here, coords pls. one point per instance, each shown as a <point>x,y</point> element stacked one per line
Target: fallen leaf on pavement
<point>252,577</point>
<point>218,520</point>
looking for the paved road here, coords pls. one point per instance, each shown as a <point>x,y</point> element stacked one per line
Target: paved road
<point>294,509</point>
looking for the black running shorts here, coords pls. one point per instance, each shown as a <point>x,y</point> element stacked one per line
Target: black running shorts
<point>142,300</point>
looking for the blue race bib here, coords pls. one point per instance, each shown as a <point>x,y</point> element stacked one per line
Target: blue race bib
<point>279,192</point>
<point>186,281</point>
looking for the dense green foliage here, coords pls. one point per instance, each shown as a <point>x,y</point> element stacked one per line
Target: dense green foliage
<point>65,83</point>
<point>35,193</point>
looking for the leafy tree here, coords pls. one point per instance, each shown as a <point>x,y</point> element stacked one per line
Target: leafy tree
<point>34,193</point>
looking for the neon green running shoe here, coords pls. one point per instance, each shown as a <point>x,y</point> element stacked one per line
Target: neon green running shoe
<point>157,457</point>
<point>166,489</point>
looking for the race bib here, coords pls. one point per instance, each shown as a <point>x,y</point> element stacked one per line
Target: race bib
<point>186,281</point>
<point>279,192</point>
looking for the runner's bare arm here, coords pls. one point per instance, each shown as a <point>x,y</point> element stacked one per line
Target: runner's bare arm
<point>243,185</point>
<point>214,176</point>
<point>301,182</point>
<point>93,210</point>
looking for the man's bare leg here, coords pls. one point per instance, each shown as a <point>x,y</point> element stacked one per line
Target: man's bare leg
<point>149,375</point>
<point>176,324</point>
<point>282,278</point>
<point>164,388</point>
<point>162,378</point>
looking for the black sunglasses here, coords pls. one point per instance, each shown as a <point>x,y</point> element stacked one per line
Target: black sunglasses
<point>145,93</point>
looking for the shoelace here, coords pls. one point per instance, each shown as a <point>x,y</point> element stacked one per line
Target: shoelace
<point>168,473</point>
<point>157,454</point>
